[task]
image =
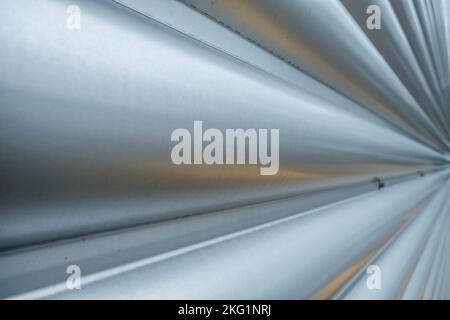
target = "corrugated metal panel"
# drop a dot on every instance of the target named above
(87, 178)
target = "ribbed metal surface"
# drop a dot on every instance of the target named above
(87, 179)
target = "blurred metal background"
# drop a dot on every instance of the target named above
(86, 176)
